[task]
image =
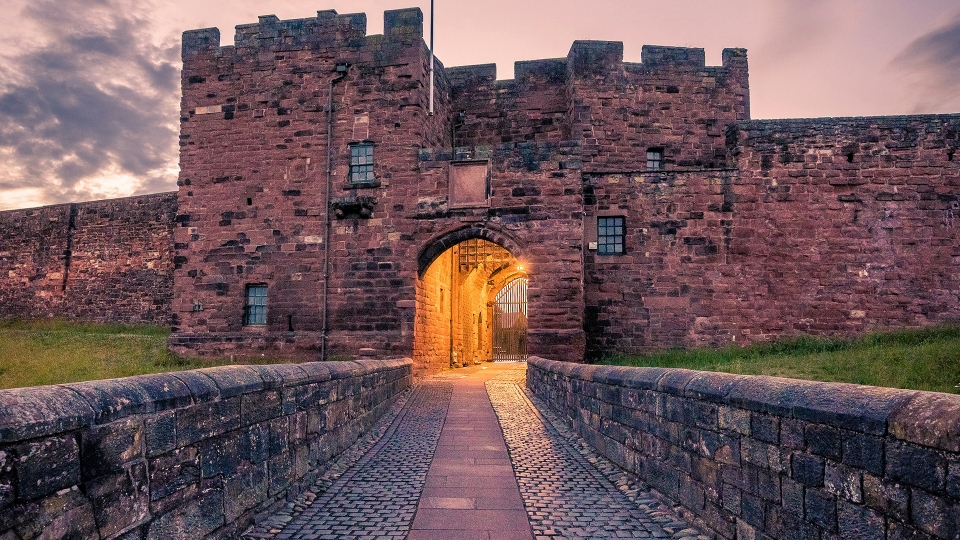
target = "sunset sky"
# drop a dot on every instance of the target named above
(89, 89)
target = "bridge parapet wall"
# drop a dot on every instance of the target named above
(771, 458)
(193, 454)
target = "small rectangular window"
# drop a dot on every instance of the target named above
(655, 159)
(255, 309)
(611, 232)
(361, 163)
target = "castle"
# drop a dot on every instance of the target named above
(328, 202)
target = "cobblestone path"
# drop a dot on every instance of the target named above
(570, 491)
(448, 464)
(378, 496)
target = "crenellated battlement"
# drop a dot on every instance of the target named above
(327, 29)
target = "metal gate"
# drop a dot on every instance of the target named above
(510, 323)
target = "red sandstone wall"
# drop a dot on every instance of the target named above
(671, 100)
(797, 240)
(253, 196)
(107, 261)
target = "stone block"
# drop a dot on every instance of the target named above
(821, 509)
(234, 380)
(66, 512)
(260, 406)
(752, 510)
(734, 419)
(712, 387)
(847, 406)
(929, 419)
(109, 447)
(280, 469)
(196, 518)
(317, 372)
(844, 482)
(223, 455)
(915, 466)
(205, 420)
(202, 387)
(281, 375)
(765, 427)
(46, 465)
(279, 436)
(823, 441)
(899, 531)
(807, 469)
(245, 490)
(935, 515)
(860, 523)
(8, 492)
(160, 433)
(113, 399)
(120, 500)
(887, 497)
(863, 451)
(165, 391)
(28, 413)
(791, 434)
(259, 442)
(173, 471)
(732, 497)
(792, 497)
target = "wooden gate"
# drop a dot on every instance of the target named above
(510, 323)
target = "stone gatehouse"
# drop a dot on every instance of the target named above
(586, 206)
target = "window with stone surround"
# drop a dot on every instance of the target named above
(611, 232)
(361, 163)
(655, 159)
(255, 307)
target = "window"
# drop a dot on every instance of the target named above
(655, 159)
(361, 163)
(610, 235)
(255, 310)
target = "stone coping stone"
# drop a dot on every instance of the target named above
(28, 413)
(926, 418)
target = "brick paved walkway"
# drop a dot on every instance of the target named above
(442, 469)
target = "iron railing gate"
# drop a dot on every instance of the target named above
(510, 323)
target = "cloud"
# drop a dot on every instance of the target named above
(88, 108)
(932, 62)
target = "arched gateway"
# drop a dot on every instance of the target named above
(471, 306)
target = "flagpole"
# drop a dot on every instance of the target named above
(431, 58)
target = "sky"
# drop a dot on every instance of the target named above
(89, 89)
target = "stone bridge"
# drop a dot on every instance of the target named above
(499, 451)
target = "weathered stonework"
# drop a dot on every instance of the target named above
(735, 231)
(768, 458)
(194, 454)
(106, 261)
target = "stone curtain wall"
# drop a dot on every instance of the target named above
(104, 261)
(185, 455)
(767, 458)
(821, 226)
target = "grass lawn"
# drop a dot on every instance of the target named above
(53, 352)
(921, 359)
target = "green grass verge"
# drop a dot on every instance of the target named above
(917, 359)
(37, 353)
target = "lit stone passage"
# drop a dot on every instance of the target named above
(569, 491)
